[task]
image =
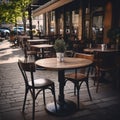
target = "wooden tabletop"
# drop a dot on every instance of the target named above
(91, 50)
(42, 46)
(68, 63)
(38, 40)
(24, 36)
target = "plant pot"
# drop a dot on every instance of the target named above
(60, 57)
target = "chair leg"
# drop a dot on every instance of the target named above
(75, 89)
(25, 97)
(97, 87)
(33, 111)
(78, 96)
(44, 97)
(95, 76)
(88, 90)
(54, 96)
(98, 76)
(95, 79)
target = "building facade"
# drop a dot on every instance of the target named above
(87, 20)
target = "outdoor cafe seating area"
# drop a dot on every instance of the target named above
(103, 62)
(105, 58)
(60, 60)
(100, 67)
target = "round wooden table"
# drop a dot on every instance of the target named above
(36, 41)
(42, 46)
(64, 107)
(91, 50)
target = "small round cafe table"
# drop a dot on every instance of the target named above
(42, 46)
(38, 41)
(91, 50)
(64, 106)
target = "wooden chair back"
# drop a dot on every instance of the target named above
(27, 67)
(83, 55)
(105, 60)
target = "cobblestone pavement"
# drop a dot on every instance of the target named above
(105, 104)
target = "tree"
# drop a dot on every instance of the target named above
(23, 7)
(9, 12)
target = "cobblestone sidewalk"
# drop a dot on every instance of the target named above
(105, 104)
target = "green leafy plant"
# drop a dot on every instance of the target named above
(113, 34)
(60, 45)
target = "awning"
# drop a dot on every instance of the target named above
(50, 6)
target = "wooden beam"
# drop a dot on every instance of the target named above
(49, 7)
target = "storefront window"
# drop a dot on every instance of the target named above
(61, 25)
(75, 23)
(67, 22)
(97, 25)
(52, 22)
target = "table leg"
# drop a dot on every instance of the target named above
(42, 52)
(64, 107)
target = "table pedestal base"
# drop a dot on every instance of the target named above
(68, 108)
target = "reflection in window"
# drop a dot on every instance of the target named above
(97, 28)
(52, 23)
(75, 22)
(97, 25)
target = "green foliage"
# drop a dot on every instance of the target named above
(113, 34)
(10, 11)
(60, 45)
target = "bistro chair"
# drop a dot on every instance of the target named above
(79, 76)
(118, 70)
(14, 40)
(69, 53)
(29, 52)
(104, 62)
(34, 86)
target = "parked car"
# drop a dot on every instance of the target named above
(18, 30)
(4, 32)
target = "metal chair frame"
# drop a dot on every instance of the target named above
(35, 86)
(77, 78)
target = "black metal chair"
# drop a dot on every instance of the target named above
(104, 62)
(35, 86)
(80, 76)
(69, 53)
(28, 51)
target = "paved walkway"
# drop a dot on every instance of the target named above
(105, 104)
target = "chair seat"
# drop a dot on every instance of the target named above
(79, 76)
(45, 52)
(41, 83)
(106, 69)
(75, 77)
(31, 52)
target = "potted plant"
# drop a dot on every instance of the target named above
(114, 35)
(60, 48)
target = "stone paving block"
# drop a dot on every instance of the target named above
(12, 115)
(106, 104)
